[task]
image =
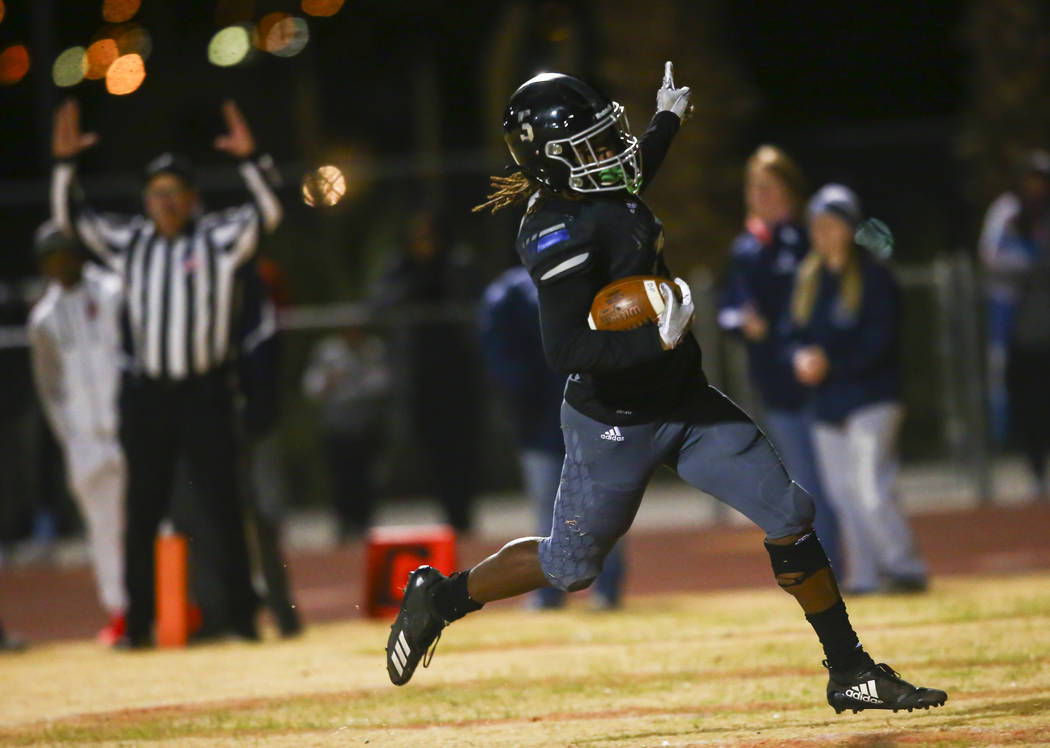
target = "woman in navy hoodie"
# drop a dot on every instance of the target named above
(845, 309)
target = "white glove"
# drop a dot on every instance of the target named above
(677, 316)
(671, 99)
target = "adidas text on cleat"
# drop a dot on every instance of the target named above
(878, 687)
(417, 627)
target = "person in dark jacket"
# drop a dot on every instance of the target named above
(437, 354)
(845, 308)
(763, 262)
(513, 353)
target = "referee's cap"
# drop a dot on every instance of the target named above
(50, 238)
(172, 163)
(837, 199)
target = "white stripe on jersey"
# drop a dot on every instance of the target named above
(201, 289)
(177, 364)
(153, 359)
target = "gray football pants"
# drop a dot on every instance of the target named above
(711, 444)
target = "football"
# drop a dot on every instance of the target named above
(629, 302)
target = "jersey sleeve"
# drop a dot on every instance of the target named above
(656, 142)
(561, 251)
(106, 235)
(47, 375)
(236, 231)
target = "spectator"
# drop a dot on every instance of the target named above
(513, 352)
(845, 308)
(763, 262)
(74, 343)
(348, 377)
(1023, 257)
(430, 283)
(179, 269)
(1004, 265)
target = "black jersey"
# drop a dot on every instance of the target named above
(573, 247)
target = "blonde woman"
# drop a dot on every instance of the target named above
(845, 309)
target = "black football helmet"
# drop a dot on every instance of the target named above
(566, 135)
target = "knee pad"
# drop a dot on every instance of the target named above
(795, 563)
(576, 585)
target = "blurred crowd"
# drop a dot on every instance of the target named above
(155, 353)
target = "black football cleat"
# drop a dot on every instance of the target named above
(417, 627)
(878, 687)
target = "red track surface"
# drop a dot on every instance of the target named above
(43, 602)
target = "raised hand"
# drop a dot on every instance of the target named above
(671, 99)
(238, 140)
(67, 141)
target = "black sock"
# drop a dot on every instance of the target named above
(451, 599)
(840, 642)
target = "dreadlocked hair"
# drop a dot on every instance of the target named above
(507, 191)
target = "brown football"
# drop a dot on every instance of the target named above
(629, 302)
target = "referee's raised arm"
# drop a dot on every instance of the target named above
(106, 235)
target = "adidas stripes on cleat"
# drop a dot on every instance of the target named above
(878, 687)
(417, 627)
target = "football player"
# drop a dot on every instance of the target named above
(634, 399)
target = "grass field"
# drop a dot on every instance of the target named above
(737, 668)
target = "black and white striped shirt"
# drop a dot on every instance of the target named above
(179, 291)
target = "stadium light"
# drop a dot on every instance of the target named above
(321, 8)
(119, 11)
(324, 187)
(100, 55)
(14, 64)
(125, 75)
(290, 36)
(229, 46)
(133, 38)
(69, 67)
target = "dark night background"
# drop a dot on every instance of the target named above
(873, 94)
(923, 108)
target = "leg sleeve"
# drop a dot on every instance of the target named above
(792, 435)
(723, 453)
(603, 478)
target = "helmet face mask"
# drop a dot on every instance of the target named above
(567, 136)
(603, 158)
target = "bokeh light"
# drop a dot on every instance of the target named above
(125, 75)
(269, 37)
(69, 67)
(118, 11)
(1, 10)
(289, 35)
(133, 38)
(324, 187)
(100, 55)
(14, 64)
(322, 7)
(229, 46)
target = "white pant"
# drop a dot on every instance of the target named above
(97, 479)
(858, 464)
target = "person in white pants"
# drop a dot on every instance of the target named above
(74, 339)
(845, 310)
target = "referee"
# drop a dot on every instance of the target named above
(179, 268)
